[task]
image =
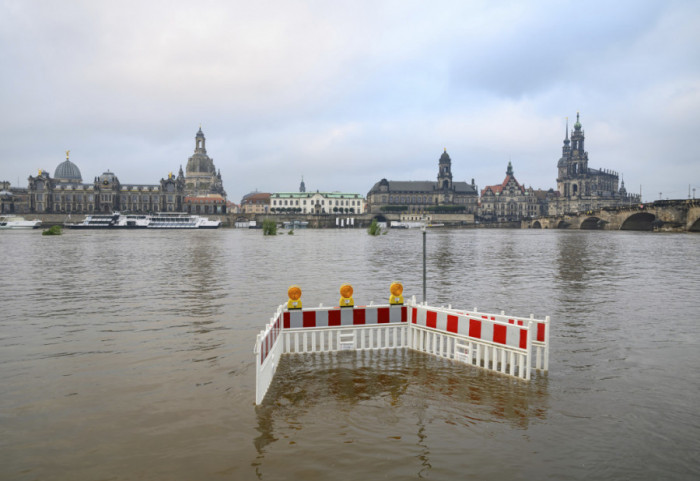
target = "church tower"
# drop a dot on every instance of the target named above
(572, 168)
(444, 178)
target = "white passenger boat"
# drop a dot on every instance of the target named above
(17, 222)
(180, 220)
(133, 221)
(96, 221)
(162, 220)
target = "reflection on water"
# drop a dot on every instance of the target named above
(354, 395)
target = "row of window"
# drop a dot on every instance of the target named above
(413, 199)
(58, 198)
(331, 202)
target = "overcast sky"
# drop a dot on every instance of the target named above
(346, 93)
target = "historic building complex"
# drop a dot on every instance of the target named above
(425, 197)
(199, 190)
(581, 188)
(317, 203)
(509, 201)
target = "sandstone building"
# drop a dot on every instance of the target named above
(443, 196)
(508, 201)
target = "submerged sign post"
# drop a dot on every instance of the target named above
(496, 342)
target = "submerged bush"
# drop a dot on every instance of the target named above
(374, 228)
(269, 227)
(53, 230)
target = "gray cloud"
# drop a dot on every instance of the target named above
(348, 93)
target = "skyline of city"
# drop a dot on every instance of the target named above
(332, 93)
(509, 171)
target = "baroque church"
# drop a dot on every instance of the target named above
(423, 197)
(202, 178)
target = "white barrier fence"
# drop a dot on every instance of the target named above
(504, 344)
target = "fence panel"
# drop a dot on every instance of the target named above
(500, 343)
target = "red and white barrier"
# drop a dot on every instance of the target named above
(496, 342)
(344, 316)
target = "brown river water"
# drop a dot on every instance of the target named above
(128, 355)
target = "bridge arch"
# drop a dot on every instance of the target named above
(639, 221)
(695, 226)
(379, 218)
(562, 224)
(536, 225)
(593, 223)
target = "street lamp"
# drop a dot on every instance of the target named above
(423, 229)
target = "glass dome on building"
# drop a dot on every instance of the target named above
(67, 171)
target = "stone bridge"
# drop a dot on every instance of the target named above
(662, 215)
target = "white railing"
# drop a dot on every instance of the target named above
(331, 339)
(501, 327)
(268, 350)
(496, 342)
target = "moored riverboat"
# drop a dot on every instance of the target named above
(181, 220)
(17, 222)
(134, 221)
(96, 221)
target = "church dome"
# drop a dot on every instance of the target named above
(67, 170)
(445, 158)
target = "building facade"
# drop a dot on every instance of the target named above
(13, 200)
(508, 201)
(200, 191)
(580, 187)
(66, 193)
(255, 203)
(318, 203)
(407, 198)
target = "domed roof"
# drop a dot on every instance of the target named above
(445, 158)
(67, 170)
(107, 178)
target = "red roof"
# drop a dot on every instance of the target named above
(497, 189)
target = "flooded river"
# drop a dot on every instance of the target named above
(128, 355)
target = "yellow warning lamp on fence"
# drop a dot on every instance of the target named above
(346, 299)
(396, 297)
(294, 293)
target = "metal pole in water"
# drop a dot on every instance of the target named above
(423, 229)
